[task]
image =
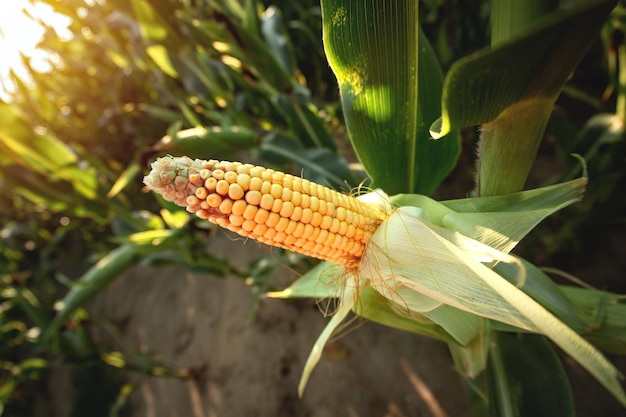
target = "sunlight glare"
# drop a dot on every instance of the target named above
(19, 34)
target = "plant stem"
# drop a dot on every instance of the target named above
(501, 384)
(508, 145)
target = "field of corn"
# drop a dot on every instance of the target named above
(336, 208)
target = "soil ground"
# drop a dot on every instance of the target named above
(248, 367)
(251, 367)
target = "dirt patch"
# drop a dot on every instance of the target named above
(245, 367)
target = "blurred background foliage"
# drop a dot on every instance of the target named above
(215, 78)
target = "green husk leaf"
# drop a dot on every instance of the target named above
(471, 359)
(502, 221)
(372, 306)
(322, 281)
(497, 221)
(407, 252)
(316, 353)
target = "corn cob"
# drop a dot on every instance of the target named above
(269, 206)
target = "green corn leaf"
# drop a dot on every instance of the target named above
(303, 120)
(601, 130)
(245, 41)
(157, 21)
(125, 178)
(209, 78)
(509, 18)
(471, 359)
(56, 195)
(502, 221)
(31, 306)
(33, 368)
(463, 327)
(148, 237)
(48, 155)
(390, 86)
(161, 58)
(161, 113)
(348, 300)
(44, 156)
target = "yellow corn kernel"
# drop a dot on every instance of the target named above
(272, 207)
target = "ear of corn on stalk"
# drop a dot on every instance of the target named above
(409, 255)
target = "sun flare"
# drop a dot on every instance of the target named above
(20, 34)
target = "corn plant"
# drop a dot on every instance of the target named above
(227, 76)
(398, 257)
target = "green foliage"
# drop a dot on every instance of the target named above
(213, 79)
(510, 89)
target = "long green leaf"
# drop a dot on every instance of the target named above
(502, 221)
(511, 89)
(380, 59)
(322, 281)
